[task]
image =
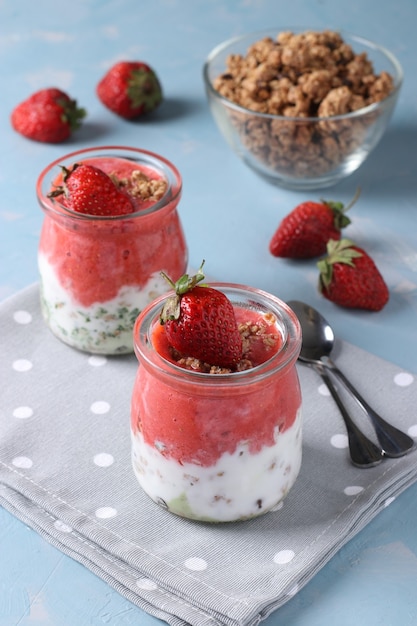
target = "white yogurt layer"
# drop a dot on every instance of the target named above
(103, 327)
(239, 486)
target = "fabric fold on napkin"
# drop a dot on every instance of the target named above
(65, 471)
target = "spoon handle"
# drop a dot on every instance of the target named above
(394, 442)
(363, 452)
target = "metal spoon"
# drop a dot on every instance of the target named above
(318, 342)
(363, 452)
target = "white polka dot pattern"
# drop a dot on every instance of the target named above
(353, 490)
(283, 557)
(23, 412)
(98, 510)
(323, 390)
(96, 360)
(412, 431)
(403, 379)
(106, 512)
(100, 407)
(339, 441)
(196, 564)
(103, 459)
(146, 584)
(23, 462)
(22, 317)
(22, 365)
(63, 528)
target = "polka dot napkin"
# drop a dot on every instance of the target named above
(65, 471)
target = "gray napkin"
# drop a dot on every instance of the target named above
(65, 471)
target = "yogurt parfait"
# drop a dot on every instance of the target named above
(218, 443)
(110, 226)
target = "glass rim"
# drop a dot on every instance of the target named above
(286, 318)
(56, 208)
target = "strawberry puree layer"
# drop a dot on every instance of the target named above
(191, 425)
(93, 259)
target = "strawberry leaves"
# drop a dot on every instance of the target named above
(48, 115)
(200, 322)
(304, 232)
(337, 252)
(350, 278)
(130, 89)
(172, 307)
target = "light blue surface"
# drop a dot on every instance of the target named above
(229, 215)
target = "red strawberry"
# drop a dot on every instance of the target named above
(305, 231)
(49, 115)
(200, 322)
(130, 89)
(350, 278)
(87, 189)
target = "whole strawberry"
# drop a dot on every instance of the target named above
(350, 278)
(130, 89)
(304, 232)
(200, 322)
(87, 189)
(49, 115)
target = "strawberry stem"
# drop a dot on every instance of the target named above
(186, 282)
(341, 220)
(341, 251)
(62, 189)
(354, 199)
(71, 113)
(171, 309)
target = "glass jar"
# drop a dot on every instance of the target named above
(218, 447)
(98, 273)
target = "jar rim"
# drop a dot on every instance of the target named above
(288, 352)
(167, 168)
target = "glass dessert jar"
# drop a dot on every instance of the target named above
(219, 447)
(98, 272)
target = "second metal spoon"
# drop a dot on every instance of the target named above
(363, 452)
(318, 342)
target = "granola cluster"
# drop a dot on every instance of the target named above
(304, 75)
(141, 186)
(250, 333)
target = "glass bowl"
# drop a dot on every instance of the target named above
(299, 151)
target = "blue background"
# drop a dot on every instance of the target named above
(229, 215)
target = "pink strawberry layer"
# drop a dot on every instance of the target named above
(188, 425)
(94, 258)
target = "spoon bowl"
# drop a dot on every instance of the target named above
(317, 345)
(318, 335)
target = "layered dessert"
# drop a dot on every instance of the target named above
(99, 271)
(212, 443)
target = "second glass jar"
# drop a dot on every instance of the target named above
(98, 273)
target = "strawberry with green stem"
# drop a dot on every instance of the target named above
(130, 89)
(200, 322)
(48, 116)
(88, 190)
(305, 231)
(350, 278)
